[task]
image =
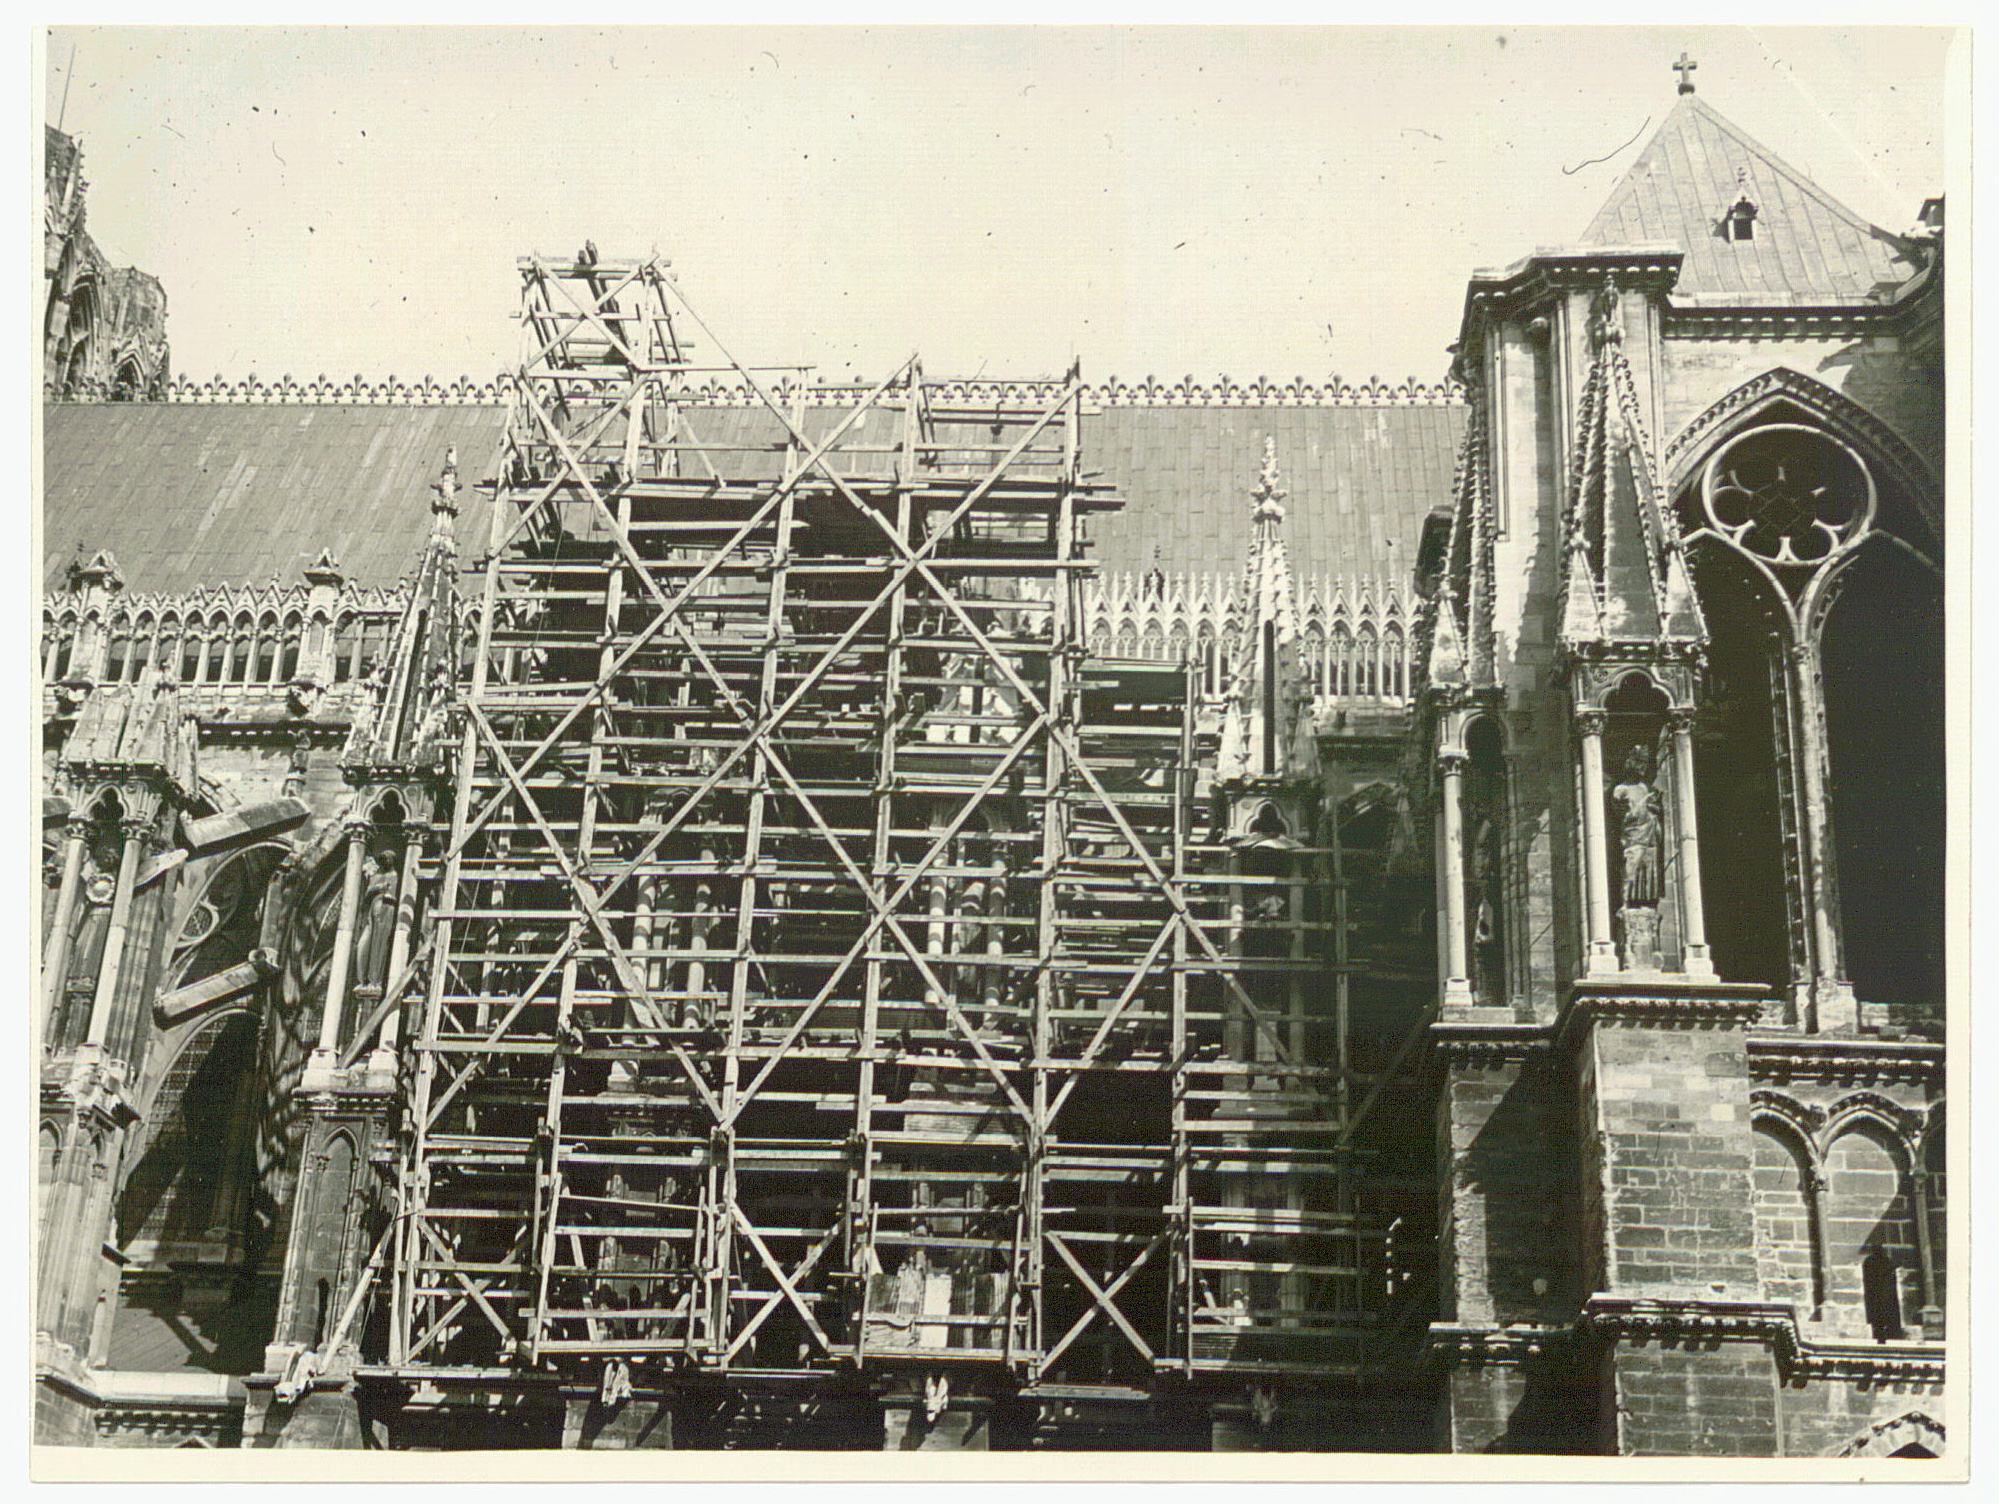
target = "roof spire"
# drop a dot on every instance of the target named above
(1269, 699)
(444, 490)
(1268, 495)
(1685, 68)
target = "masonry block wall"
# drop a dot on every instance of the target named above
(1672, 1113)
(1876, 371)
(1695, 1398)
(1505, 1128)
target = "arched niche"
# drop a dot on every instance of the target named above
(1486, 836)
(69, 1017)
(1871, 1254)
(1788, 1261)
(1638, 772)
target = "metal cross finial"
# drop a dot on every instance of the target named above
(1685, 67)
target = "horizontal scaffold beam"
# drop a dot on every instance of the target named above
(815, 971)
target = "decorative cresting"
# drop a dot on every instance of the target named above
(1267, 721)
(469, 391)
(1355, 631)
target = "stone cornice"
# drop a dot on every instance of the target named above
(142, 1402)
(1493, 1346)
(1536, 278)
(1810, 1057)
(1768, 1322)
(1661, 1001)
(1770, 315)
(1467, 1044)
(1840, 321)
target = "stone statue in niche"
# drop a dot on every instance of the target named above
(376, 919)
(1487, 938)
(1639, 810)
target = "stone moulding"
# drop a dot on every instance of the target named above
(1493, 1347)
(1781, 1058)
(1835, 408)
(1768, 1322)
(1663, 1002)
(1886, 1437)
(983, 395)
(1488, 1046)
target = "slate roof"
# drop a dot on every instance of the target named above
(1807, 248)
(193, 495)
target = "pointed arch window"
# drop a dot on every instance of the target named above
(346, 646)
(194, 652)
(141, 656)
(266, 670)
(1818, 562)
(118, 652)
(240, 642)
(1342, 656)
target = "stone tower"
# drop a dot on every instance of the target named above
(1689, 1125)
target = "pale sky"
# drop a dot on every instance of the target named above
(1167, 202)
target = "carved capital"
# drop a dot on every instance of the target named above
(1680, 719)
(1452, 764)
(1591, 722)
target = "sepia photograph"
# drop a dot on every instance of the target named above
(999, 739)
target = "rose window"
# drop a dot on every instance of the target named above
(1787, 494)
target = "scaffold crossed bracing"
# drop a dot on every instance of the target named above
(825, 963)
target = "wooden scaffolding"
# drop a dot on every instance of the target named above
(829, 967)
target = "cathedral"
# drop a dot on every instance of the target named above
(654, 902)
